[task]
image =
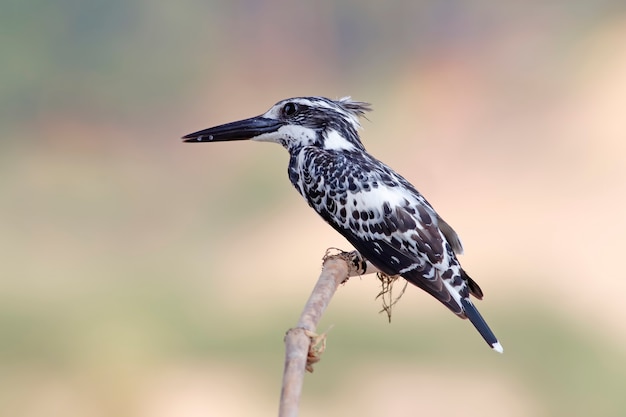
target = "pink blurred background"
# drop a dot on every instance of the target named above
(145, 277)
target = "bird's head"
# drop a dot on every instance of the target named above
(295, 123)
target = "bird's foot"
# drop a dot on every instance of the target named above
(357, 264)
(348, 257)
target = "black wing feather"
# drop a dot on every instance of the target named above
(385, 218)
(383, 254)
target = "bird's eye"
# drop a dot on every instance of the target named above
(290, 109)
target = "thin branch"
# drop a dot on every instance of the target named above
(301, 341)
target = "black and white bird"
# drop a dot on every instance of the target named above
(378, 211)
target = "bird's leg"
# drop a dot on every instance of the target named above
(357, 263)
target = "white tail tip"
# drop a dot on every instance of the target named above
(497, 347)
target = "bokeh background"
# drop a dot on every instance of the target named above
(144, 277)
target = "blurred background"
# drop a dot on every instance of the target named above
(144, 277)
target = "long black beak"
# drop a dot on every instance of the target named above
(240, 130)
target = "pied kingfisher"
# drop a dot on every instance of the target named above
(378, 211)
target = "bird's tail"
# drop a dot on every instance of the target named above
(477, 320)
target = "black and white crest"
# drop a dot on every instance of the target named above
(378, 211)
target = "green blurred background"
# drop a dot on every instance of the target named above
(145, 277)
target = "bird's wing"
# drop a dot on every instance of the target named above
(403, 237)
(398, 237)
(451, 236)
(387, 220)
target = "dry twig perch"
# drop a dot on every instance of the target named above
(302, 345)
